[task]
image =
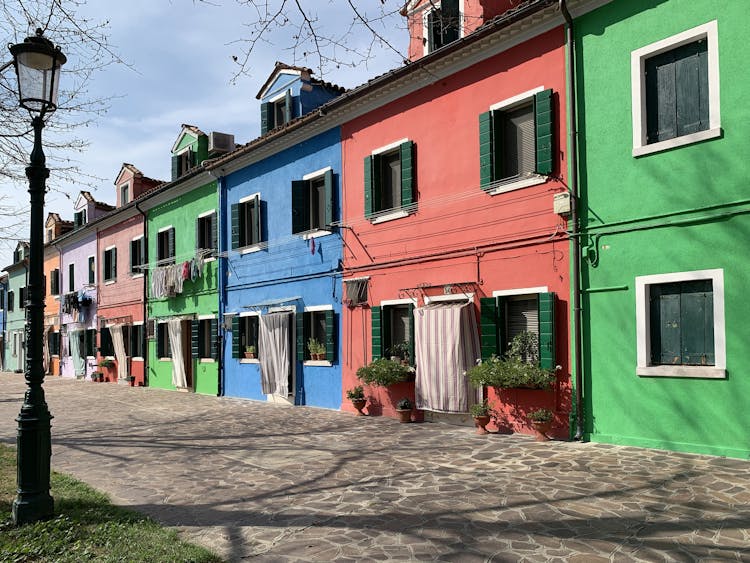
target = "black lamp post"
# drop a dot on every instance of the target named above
(37, 64)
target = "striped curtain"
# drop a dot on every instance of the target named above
(447, 344)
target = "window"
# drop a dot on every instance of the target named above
(50, 235)
(312, 202)
(393, 331)
(165, 250)
(277, 112)
(92, 269)
(53, 341)
(54, 282)
(79, 218)
(110, 264)
(124, 194)
(163, 348)
(246, 227)
(22, 298)
(205, 232)
(136, 341)
(244, 334)
(182, 163)
(389, 179)
(680, 324)
(106, 346)
(137, 255)
(204, 338)
(442, 25)
(89, 342)
(320, 325)
(2, 300)
(509, 313)
(675, 90)
(11, 304)
(515, 141)
(71, 277)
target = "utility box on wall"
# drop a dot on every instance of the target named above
(561, 203)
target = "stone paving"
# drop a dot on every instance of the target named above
(276, 483)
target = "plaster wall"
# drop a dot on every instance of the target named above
(15, 321)
(51, 302)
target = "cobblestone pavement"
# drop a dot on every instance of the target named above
(275, 483)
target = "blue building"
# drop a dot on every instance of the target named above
(281, 291)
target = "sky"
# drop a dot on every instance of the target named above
(181, 69)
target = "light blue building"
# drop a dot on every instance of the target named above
(3, 306)
(281, 289)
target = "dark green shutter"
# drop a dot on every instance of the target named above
(202, 153)
(433, 30)
(488, 311)
(198, 233)
(191, 158)
(407, 178)
(377, 340)
(235, 213)
(368, 186)
(697, 322)
(92, 269)
(257, 233)
(236, 336)
(328, 183)
(213, 228)
(547, 330)
(214, 343)
(133, 254)
(160, 340)
(544, 120)
(288, 108)
(144, 254)
(170, 238)
(195, 339)
(175, 169)
(412, 323)
(300, 213)
(691, 87)
(301, 336)
(266, 118)
(486, 158)
(451, 21)
(114, 263)
(330, 336)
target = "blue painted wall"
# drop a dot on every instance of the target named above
(303, 101)
(286, 266)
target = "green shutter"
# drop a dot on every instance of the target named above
(547, 330)
(330, 336)
(488, 311)
(235, 213)
(407, 178)
(175, 171)
(214, 232)
(377, 340)
(195, 339)
(202, 149)
(433, 30)
(544, 120)
(191, 158)
(133, 253)
(114, 263)
(170, 238)
(451, 21)
(214, 343)
(691, 84)
(256, 221)
(368, 186)
(236, 336)
(266, 118)
(144, 253)
(301, 336)
(328, 187)
(288, 108)
(486, 157)
(159, 339)
(197, 233)
(412, 323)
(300, 213)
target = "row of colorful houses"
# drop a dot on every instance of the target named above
(566, 168)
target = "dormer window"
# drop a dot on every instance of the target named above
(124, 194)
(276, 112)
(50, 235)
(182, 162)
(79, 218)
(442, 24)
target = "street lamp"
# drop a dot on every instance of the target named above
(37, 62)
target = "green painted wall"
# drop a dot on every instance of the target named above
(200, 297)
(698, 415)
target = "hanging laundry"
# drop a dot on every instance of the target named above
(312, 245)
(185, 273)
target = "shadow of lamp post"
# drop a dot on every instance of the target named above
(37, 63)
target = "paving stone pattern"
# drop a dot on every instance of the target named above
(275, 483)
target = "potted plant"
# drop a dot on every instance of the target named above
(131, 380)
(96, 376)
(316, 349)
(403, 408)
(482, 413)
(518, 369)
(357, 396)
(106, 363)
(250, 352)
(541, 421)
(383, 372)
(400, 352)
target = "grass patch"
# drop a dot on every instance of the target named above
(86, 527)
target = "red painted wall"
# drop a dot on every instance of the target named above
(460, 233)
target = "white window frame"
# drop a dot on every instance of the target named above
(141, 274)
(242, 314)
(251, 247)
(431, 6)
(307, 235)
(112, 280)
(379, 216)
(643, 328)
(708, 31)
(138, 323)
(126, 185)
(316, 309)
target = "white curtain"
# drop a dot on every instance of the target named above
(446, 345)
(179, 379)
(79, 364)
(274, 353)
(118, 343)
(46, 363)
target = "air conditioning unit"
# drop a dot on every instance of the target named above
(220, 142)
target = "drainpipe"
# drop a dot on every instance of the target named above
(575, 193)
(144, 342)
(221, 274)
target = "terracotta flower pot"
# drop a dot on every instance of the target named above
(359, 404)
(404, 415)
(541, 429)
(480, 422)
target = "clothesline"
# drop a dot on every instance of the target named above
(203, 252)
(167, 281)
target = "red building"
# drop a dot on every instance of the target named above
(450, 181)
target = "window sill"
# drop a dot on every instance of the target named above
(249, 249)
(321, 363)
(110, 282)
(392, 216)
(210, 259)
(702, 372)
(249, 361)
(165, 359)
(315, 234)
(515, 184)
(206, 360)
(137, 359)
(677, 142)
(135, 276)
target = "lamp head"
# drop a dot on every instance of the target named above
(37, 62)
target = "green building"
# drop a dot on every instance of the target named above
(183, 299)
(664, 136)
